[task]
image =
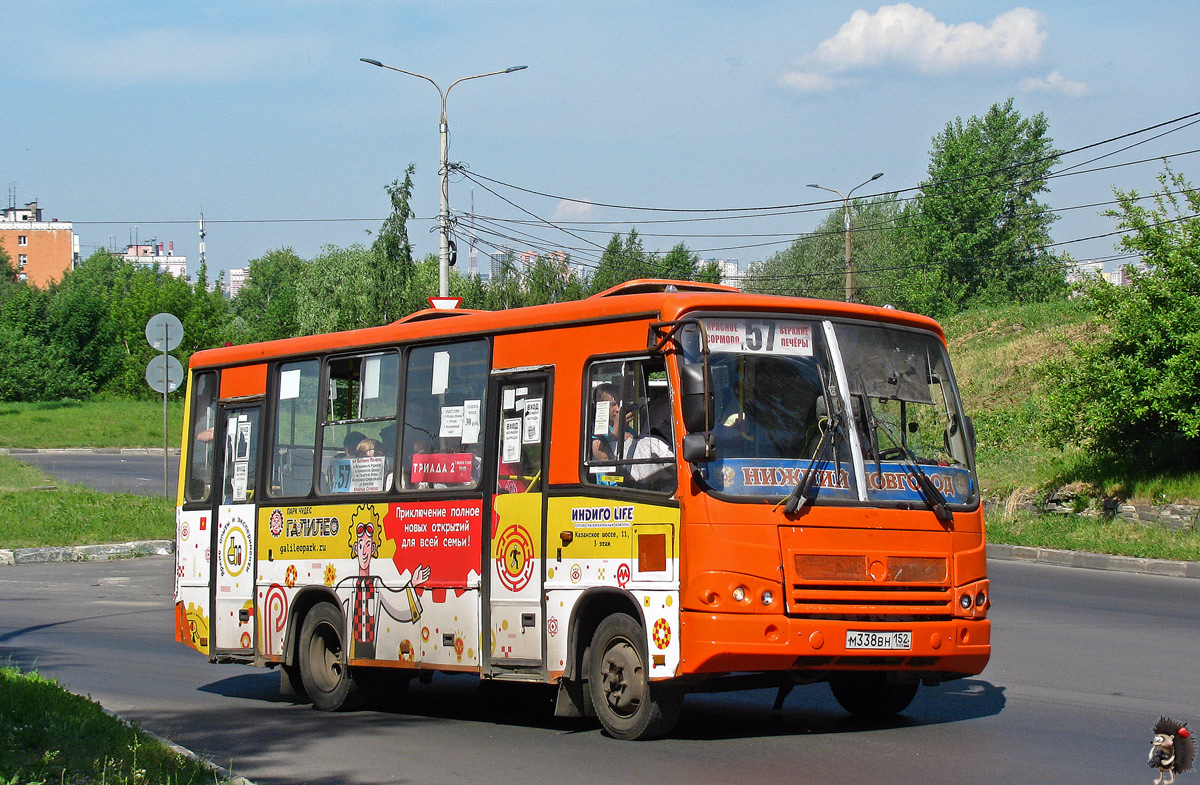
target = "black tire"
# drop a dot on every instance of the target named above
(630, 706)
(871, 696)
(327, 678)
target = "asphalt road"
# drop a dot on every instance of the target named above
(112, 472)
(1083, 664)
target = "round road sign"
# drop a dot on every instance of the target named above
(164, 377)
(164, 328)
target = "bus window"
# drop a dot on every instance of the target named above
(627, 428)
(441, 441)
(241, 451)
(295, 420)
(200, 448)
(358, 437)
(522, 418)
(906, 410)
(777, 410)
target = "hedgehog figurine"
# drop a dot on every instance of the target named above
(1173, 751)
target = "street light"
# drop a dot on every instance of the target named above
(846, 212)
(444, 214)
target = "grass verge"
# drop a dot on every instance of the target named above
(99, 422)
(74, 515)
(49, 735)
(1084, 533)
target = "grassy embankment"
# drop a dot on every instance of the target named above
(102, 422)
(1000, 356)
(48, 735)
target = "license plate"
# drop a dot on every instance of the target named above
(896, 640)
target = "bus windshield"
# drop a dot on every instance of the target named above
(783, 411)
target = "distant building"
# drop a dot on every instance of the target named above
(151, 253)
(1117, 277)
(41, 251)
(238, 277)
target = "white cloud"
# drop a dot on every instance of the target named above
(570, 210)
(170, 54)
(903, 33)
(807, 81)
(1054, 82)
(911, 37)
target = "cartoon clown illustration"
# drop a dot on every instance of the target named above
(368, 593)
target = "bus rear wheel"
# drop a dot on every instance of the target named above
(871, 696)
(327, 678)
(630, 706)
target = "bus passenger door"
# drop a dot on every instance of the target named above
(233, 627)
(514, 609)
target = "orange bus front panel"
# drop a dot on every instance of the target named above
(733, 643)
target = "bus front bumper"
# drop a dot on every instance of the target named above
(731, 643)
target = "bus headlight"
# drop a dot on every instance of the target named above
(739, 594)
(767, 598)
(965, 601)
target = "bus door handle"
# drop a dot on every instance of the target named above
(527, 620)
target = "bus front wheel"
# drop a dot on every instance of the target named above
(327, 678)
(628, 704)
(871, 696)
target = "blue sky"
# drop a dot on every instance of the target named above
(261, 115)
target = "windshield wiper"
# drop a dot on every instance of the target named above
(802, 494)
(929, 492)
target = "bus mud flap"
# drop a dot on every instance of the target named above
(573, 700)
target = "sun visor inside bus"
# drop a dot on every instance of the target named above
(896, 367)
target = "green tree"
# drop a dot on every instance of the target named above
(80, 316)
(550, 280)
(815, 264)
(678, 263)
(334, 291)
(1138, 383)
(265, 309)
(8, 273)
(622, 260)
(391, 286)
(978, 221)
(506, 288)
(709, 272)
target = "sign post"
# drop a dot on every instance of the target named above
(164, 374)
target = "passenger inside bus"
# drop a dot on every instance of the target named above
(635, 444)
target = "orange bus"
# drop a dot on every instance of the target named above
(666, 487)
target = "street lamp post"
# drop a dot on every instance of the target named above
(846, 213)
(444, 213)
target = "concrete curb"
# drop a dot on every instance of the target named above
(227, 776)
(77, 553)
(1094, 561)
(15, 451)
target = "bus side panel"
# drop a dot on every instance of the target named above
(634, 547)
(244, 381)
(567, 349)
(193, 542)
(412, 600)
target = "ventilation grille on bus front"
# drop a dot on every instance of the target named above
(871, 603)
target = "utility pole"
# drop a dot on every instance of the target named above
(846, 213)
(444, 130)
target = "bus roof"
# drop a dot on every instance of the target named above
(647, 298)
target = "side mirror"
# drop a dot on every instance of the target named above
(698, 448)
(696, 397)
